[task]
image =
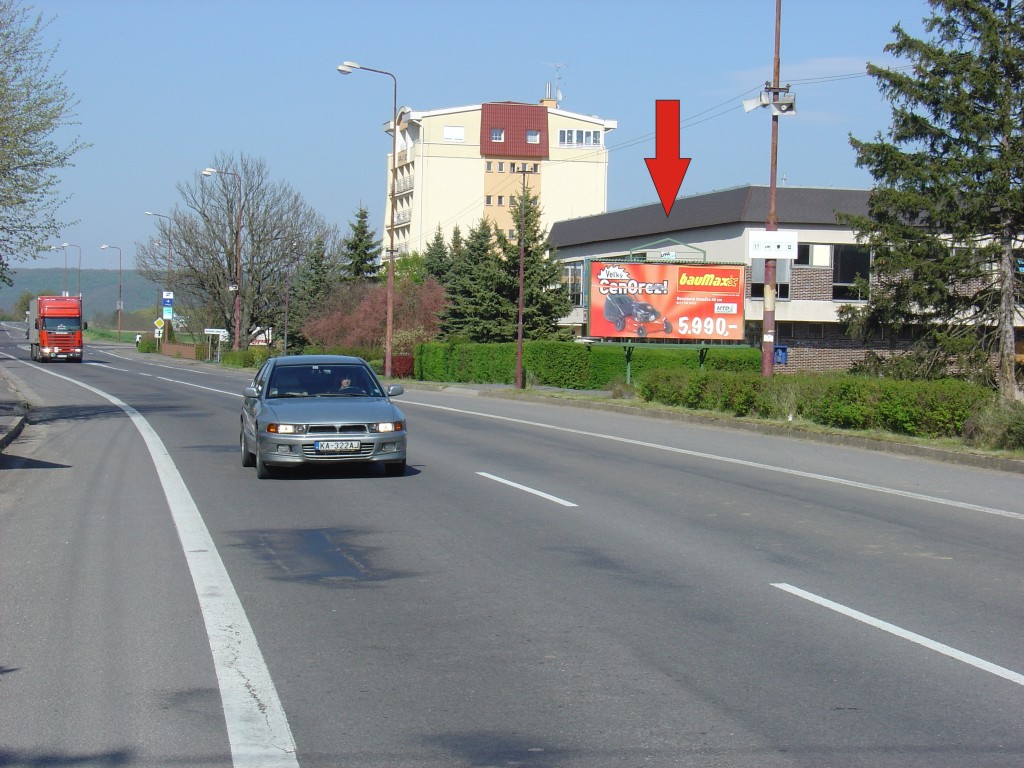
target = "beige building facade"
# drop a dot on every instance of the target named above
(458, 165)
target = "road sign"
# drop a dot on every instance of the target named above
(778, 244)
(159, 322)
(168, 296)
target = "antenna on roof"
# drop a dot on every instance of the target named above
(558, 81)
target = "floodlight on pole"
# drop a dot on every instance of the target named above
(346, 68)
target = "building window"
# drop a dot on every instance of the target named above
(498, 135)
(501, 167)
(536, 167)
(501, 199)
(782, 277)
(533, 136)
(487, 200)
(803, 254)
(488, 166)
(572, 279)
(571, 138)
(455, 133)
(848, 263)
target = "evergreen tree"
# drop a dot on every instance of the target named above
(947, 209)
(437, 259)
(478, 308)
(311, 291)
(545, 298)
(361, 250)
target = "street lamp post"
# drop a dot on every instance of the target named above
(346, 68)
(167, 279)
(120, 304)
(238, 254)
(62, 248)
(522, 272)
(72, 245)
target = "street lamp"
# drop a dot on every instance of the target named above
(120, 304)
(346, 68)
(72, 245)
(62, 248)
(238, 253)
(167, 280)
(522, 272)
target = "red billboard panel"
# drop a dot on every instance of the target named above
(686, 302)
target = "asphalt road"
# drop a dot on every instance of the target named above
(546, 586)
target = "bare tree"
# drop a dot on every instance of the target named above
(197, 251)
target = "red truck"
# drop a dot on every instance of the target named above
(55, 328)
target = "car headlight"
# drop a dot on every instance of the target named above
(286, 429)
(389, 426)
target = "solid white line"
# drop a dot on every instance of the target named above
(534, 491)
(741, 462)
(257, 726)
(892, 629)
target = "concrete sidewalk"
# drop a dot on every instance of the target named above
(12, 412)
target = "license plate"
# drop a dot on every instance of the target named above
(335, 446)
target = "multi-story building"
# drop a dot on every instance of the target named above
(458, 165)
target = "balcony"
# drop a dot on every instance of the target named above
(402, 217)
(405, 184)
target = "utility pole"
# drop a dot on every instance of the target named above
(772, 222)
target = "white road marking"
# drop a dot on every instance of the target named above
(966, 658)
(526, 488)
(257, 726)
(741, 462)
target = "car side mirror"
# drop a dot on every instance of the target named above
(250, 392)
(395, 389)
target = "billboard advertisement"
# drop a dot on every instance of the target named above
(684, 302)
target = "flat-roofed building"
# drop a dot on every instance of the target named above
(458, 165)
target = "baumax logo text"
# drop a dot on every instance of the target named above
(704, 280)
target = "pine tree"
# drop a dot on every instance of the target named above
(947, 209)
(545, 298)
(478, 308)
(361, 250)
(437, 259)
(311, 290)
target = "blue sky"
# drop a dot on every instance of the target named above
(163, 86)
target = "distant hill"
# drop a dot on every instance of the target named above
(99, 289)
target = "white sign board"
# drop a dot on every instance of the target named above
(780, 244)
(169, 295)
(221, 332)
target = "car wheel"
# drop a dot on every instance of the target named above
(620, 323)
(262, 470)
(248, 460)
(395, 469)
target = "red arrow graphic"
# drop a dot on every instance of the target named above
(667, 167)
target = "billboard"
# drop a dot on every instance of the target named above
(685, 302)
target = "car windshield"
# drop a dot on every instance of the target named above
(318, 380)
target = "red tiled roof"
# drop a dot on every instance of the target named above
(515, 119)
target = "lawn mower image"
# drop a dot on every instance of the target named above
(622, 310)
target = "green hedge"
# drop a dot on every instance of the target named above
(919, 408)
(567, 365)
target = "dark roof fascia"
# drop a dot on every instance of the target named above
(795, 206)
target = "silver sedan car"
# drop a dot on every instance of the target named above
(320, 409)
